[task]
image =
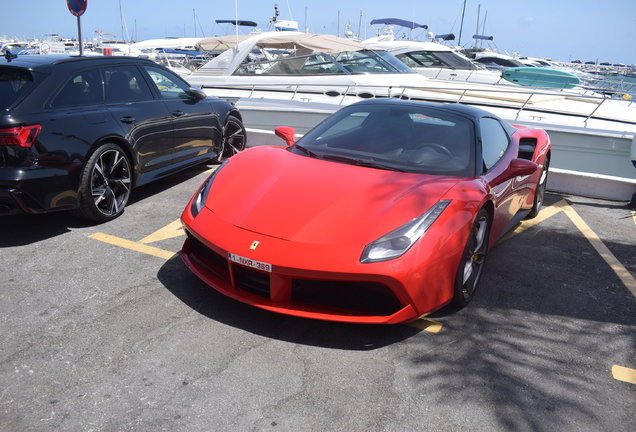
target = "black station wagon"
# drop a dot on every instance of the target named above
(78, 133)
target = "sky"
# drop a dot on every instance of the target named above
(586, 30)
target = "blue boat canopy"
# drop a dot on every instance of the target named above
(446, 37)
(237, 22)
(400, 22)
(482, 37)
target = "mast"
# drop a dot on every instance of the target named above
(461, 26)
(483, 29)
(236, 26)
(477, 31)
(289, 10)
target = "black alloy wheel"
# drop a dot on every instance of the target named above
(234, 138)
(105, 184)
(540, 193)
(473, 259)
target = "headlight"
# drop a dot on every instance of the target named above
(198, 202)
(398, 241)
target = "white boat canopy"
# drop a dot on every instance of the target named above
(287, 40)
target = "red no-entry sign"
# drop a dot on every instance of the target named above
(77, 7)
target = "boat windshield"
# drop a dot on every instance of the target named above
(407, 138)
(348, 62)
(433, 59)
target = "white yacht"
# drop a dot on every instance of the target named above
(437, 61)
(298, 79)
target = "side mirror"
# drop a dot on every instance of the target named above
(196, 93)
(288, 134)
(517, 167)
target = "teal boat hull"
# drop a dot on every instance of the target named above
(540, 77)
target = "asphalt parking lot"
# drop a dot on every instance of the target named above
(103, 328)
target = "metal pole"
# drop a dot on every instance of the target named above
(79, 36)
(461, 26)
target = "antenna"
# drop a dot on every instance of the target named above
(276, 13)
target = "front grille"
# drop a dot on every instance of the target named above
(251, 280)
(209, 259)
(370, 297)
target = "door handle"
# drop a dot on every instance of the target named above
(127, 119)
(177, 113)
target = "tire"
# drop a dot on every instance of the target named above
(105, 184)
(234, 139)
(540, 193)
(472, 262)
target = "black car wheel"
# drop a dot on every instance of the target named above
(105, 184)
(471, 265)
(234, 138)
(540, 193)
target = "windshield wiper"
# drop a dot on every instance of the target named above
(361, 162)
(306, 151)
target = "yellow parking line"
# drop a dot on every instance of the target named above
(621, 373)
(600, 247)
(160, 253)
(624, 275)
(426, 324)
(634, 217)
(545, 213)
(174, 229)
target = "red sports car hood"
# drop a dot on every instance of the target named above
(274, 192)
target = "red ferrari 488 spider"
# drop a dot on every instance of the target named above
(382, 213)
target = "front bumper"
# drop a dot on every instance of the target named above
(311, 280)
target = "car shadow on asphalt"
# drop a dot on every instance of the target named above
(184, 285)
(148, 190)
(539, 271)
(25, 229)
(552, 269)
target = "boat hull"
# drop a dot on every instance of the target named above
(540, 77)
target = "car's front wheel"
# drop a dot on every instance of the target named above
(105, 184)
(234, 138)
(471, 265)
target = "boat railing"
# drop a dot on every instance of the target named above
(464, 95)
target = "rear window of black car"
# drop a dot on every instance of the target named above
(13, 83)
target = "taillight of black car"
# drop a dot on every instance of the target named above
(23, 136)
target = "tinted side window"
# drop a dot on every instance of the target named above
(494, 141)
(125, 84)
(83, 88)
(169, 86)
(13, 82)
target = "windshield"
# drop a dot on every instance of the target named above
(348, 62)
(410, 138)
(13, 83)
(440, 59)
(499, 62)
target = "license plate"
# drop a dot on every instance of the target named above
(250, 263)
